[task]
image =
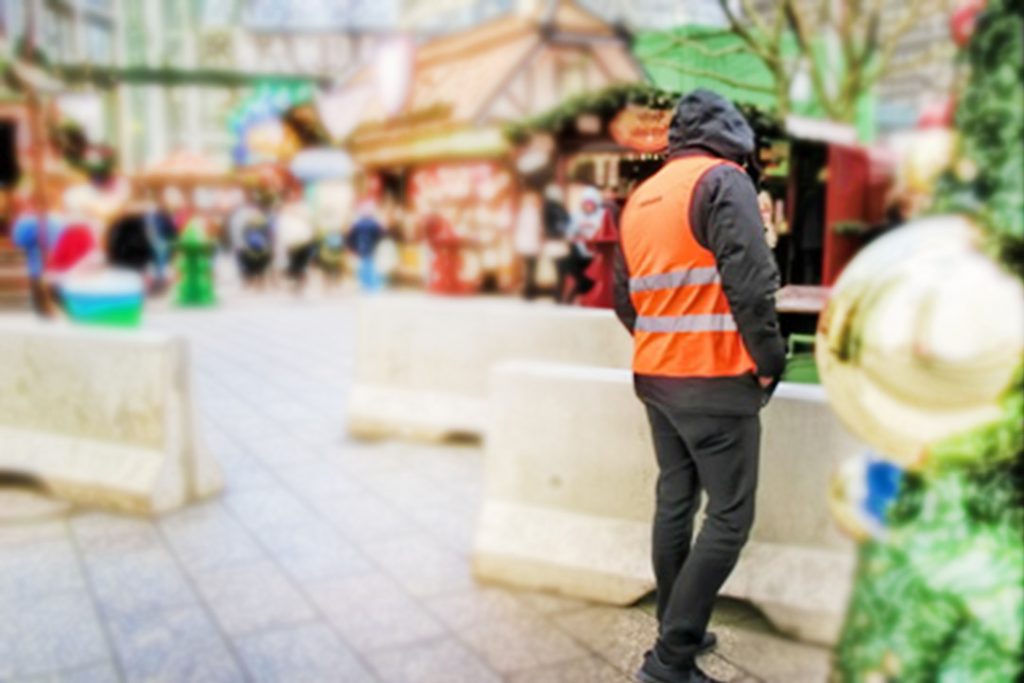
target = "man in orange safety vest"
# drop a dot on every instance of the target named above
(695, 285)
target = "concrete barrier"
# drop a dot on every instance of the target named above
(570, 495)
(422, 361)
(101, 417)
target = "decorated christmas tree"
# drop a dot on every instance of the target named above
(987, 181)
(939, 591)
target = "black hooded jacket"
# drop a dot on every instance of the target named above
(725, 219)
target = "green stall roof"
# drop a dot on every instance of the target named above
(690, 57)
(715, 58)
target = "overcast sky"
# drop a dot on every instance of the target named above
(382, 15)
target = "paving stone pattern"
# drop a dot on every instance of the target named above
(326, 559)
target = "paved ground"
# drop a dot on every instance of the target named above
(325, 560)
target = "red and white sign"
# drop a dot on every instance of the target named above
(641, 128)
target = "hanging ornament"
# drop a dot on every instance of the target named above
(860, 494)
(963, 19)
(937, 114)
(930, 152)
(920, 338)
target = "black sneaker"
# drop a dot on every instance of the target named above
(654, 670)
(708, 643)
(695, 675)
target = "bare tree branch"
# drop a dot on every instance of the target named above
(892, 40)
(703, 73)
(846, 29)
(871, 34)
(778, 34)
(714, 54)
(825, 15)
(765, 51)
(750, 12)
(795, 22)
(936, 52)
(930, 56)
(680, 41)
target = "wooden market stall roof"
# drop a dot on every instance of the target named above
(513, 67)
(186, 168)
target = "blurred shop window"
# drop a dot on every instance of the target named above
(216, 13)
(177, 124)
(173, 17)
(99, 42)
(135, 44)
(56, 33)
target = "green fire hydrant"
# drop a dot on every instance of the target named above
(195, 266)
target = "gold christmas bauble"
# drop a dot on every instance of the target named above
(927, 157)
(920, 338)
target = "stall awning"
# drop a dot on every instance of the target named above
(187, 168)
(431, 144)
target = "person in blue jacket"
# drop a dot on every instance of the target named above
(366, 233)
(25, 234)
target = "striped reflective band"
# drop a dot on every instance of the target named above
(677, 278)
(714, 322)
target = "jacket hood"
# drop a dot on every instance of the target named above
(706, 119)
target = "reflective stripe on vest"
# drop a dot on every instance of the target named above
(713, 322)
(678, 278)
(684, 325)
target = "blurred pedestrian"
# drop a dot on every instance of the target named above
(142, 239)
(583, 226)
(295, 234)
(603, 244)
(330, 255)
(766, 208)
(162, 237)
(363, 238)
(445, 262)
(30, 237)
(695, 285)
(555, 252)
(127, 245)
(251, 241)
(528, 240)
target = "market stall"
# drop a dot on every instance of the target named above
(188, 183)
(611, 138)
(438, 149)
(602, 143)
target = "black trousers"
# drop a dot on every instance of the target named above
(718, 454)
(530, 289)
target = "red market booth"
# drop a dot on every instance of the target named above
(439, 148)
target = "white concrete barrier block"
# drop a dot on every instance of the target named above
(102, 417)
(802, 446)
(570, 490)
(802, 590)
(570, 483)
(422, 361)
(798, 568)
(376, 410)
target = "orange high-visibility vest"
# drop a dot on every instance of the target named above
(684, 326)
